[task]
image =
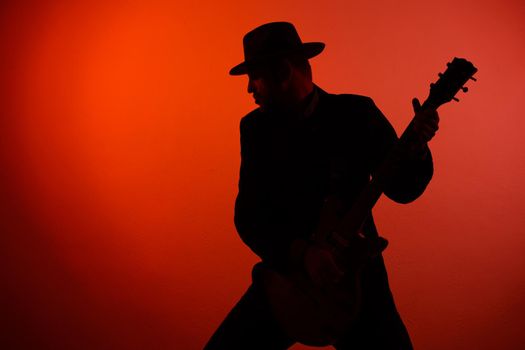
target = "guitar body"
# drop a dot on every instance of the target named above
(318, 314)
(311, 314)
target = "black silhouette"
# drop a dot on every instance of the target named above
(306, 156)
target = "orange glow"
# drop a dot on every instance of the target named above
(120, 151)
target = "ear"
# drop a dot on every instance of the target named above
(285, 72)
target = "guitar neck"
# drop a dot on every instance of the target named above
(353, 220)
(459, 71)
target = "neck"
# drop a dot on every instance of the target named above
(303, 90)
(295, 95)
(300, 96)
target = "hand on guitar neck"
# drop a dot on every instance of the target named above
(425, 124)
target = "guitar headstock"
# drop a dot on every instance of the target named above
(444, 90)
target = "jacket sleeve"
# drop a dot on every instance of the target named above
(414, 170)
(260, 226)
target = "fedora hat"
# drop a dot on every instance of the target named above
(271, 40)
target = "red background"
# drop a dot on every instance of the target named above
(119, 160)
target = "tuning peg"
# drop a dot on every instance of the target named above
(472, 78)
(455, 99)
(464, 89)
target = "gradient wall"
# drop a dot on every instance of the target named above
(119, 158)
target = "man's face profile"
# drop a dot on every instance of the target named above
(265, 87)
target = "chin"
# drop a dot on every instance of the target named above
(262, 106)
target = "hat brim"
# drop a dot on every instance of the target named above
(309, 50)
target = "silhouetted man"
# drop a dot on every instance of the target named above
(301, 145)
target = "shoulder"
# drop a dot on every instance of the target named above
(351, 110)
(250, 120)
(352, 101)
(252, 124)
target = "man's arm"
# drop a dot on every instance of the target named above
(414, 170)
(258, 223)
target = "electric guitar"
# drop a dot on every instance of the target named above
(318, 315)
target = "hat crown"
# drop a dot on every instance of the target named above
(271, 38)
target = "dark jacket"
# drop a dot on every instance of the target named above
(289, 165)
